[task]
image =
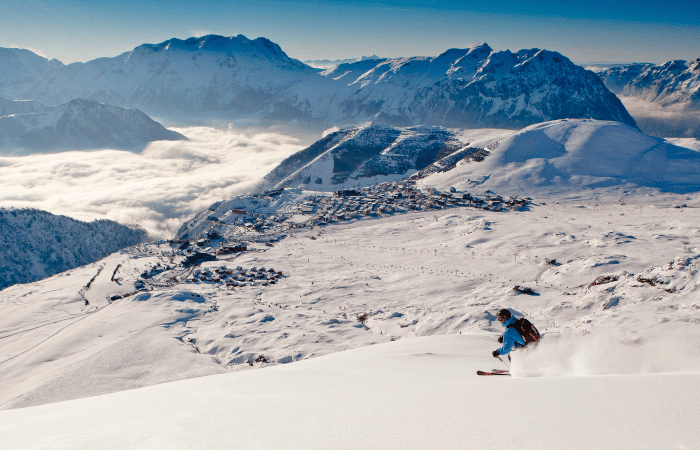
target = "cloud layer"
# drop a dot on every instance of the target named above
(656, 120)
(157, 189)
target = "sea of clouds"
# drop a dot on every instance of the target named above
(669, 121)
(156, 189)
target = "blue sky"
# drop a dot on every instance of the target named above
(585, 31)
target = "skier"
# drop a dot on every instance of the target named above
(511, 337)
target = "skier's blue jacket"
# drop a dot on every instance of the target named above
(511, 338)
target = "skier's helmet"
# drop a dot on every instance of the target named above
(503, 315)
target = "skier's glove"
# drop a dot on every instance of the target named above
(500, 339)
(495, 354)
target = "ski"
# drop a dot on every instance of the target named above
(500, 371)
(495, 372)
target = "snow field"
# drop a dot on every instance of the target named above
(414, 394)
(409, 275)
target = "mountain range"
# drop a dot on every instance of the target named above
(473, 87)
(670, 83)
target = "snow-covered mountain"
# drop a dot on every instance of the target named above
(563, 154)
(570, 155)
(363, 156)
(80, 124)
(473, 87)
(209, 73)
(23, 71)
(36, 244)
(574, 155)
(329, 63)
(667, 84)
(10, 107)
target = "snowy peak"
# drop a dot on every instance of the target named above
(670, 83)
(414, 70)
(22, 70)
(462, 88)
(208, 73)
(215, 44)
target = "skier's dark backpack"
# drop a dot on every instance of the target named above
(527, 330)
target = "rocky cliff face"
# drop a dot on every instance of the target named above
(473, 87)
(36, 244)
(80, 124)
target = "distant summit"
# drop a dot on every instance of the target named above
(208, 73)
(664, 98)
(328, 63)
(238, 45)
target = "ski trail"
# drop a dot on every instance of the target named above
(44, 340)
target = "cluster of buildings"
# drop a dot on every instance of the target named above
(397, 197)
(275, 212)
(237, 277)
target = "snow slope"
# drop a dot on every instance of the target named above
(416, 274)
(570, 155)
(413, 394)
(80, 124)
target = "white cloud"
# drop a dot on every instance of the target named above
(157, 189)
(666, 121)
(330, 130)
